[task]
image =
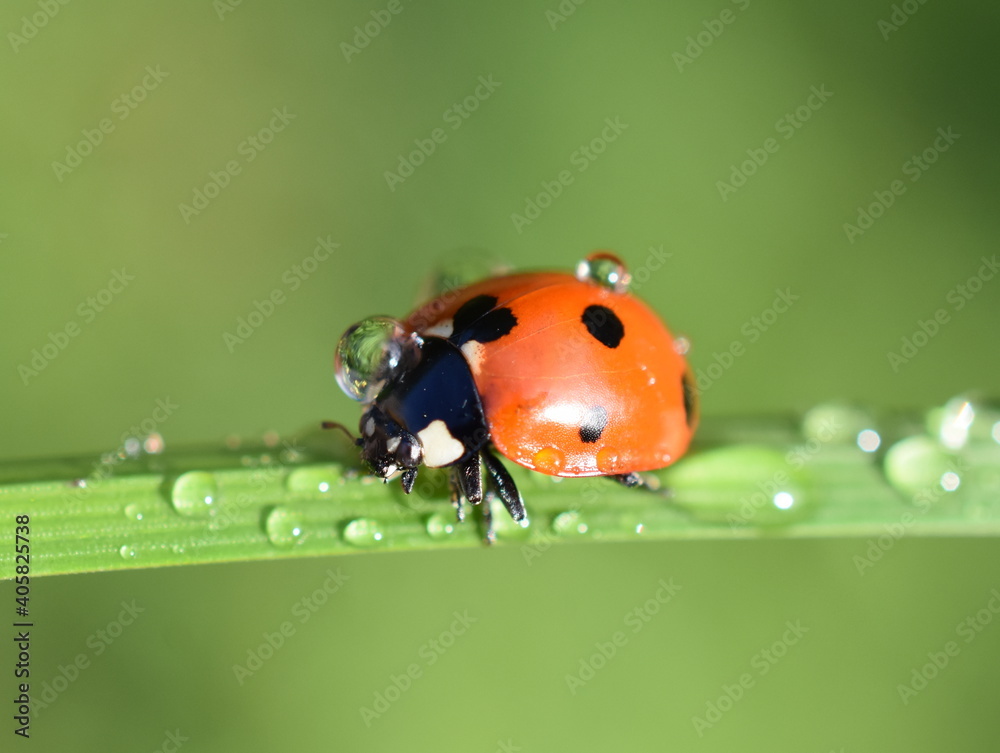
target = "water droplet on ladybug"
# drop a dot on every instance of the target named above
(605, 269)
(608, 461)
(549, 460)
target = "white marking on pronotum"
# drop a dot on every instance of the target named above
(369, 427)
(441, 329)
(393, 443)
(440, 447)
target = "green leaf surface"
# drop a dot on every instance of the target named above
(744, 479)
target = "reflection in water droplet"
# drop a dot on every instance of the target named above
(869, 440)
(783, 501)
(195, 494)
(363, 532)
(956, 420)
(569, 523)
(950, 481)
(127, 551)
(284, 527)
(315, 478)
(605, 269)
(133, 512)
(440, 526)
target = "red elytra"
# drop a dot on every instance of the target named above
(588, 381)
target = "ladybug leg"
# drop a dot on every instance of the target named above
(633, 480)
(628, 479)
(467, 486)
(505, 487)
(470, 480)
(409, 479)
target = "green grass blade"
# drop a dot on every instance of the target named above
(744, 479)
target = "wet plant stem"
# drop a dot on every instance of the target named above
(744, 479)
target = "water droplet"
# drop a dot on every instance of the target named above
(918, 464)
(128, 551)
(284, 527)
(271, 438)
(195, 494)
(440, 526)
(965, 420)
(372, 352)
(607, 461)
(740, 485)
(363, 532)
(505, 527)
(569, 523)
(605, 269)
(682, 345)
(233, 441)
(134, 512)
(838, 423)
(132, 447)
(314, 478)
(549, 460)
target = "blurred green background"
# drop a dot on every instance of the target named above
(182, 89)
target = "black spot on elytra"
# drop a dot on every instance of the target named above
(603, 325)
(593, 424)
(479, 320)
(690, 398)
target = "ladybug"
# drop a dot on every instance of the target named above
(565, 374)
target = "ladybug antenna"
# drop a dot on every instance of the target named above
(336, 425)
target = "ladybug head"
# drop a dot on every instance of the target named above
(386, 446)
